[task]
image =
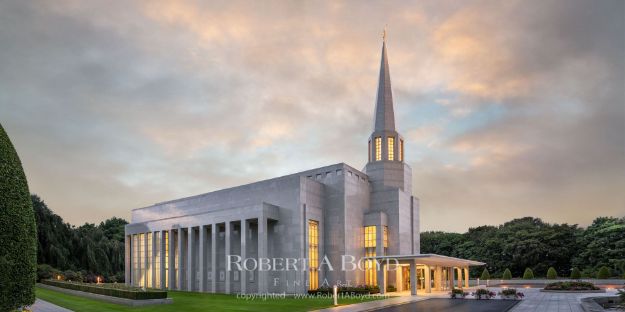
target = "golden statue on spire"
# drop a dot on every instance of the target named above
(384, 34)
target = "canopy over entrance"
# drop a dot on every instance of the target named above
(423, 272)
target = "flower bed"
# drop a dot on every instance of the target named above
(356, 290)
(511, 293)
(571, 286)
(483, 293)
(113, 290)
(458, 293)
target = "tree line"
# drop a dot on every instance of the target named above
(531, 243)
(82, 252)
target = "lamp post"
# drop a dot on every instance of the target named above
(335, 291)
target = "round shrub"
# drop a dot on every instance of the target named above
(575, 273)
(551, 273)
(604, 273)
(528, 274)
(485, 274)
(18, 234)
(507, 275)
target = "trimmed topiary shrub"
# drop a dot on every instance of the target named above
(485, 274)
(604, 273)
(528, 274)
(575, 273)
(551, 273)
(507, 275)
(18, 234)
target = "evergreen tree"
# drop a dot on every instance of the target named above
(485, 274)
(528, 274)
(18, 236)
(551, 273)
(604, 273)
(575, 273)
(507, 275)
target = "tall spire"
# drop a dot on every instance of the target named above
(384, 115)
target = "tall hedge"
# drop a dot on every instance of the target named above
(18, 232)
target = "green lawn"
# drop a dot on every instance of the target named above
(188, 302)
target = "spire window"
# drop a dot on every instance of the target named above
(378, 148)
(401, 150)
(391, 148)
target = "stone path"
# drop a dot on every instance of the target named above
(44, 306)
(536, 301)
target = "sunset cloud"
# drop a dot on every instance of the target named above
(508, 109)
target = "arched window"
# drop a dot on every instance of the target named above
(369, 151)
(391, 148)
(378, 148)
(401, 150)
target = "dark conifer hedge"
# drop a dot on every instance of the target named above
(18, 233)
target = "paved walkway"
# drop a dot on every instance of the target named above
(536, 301)
(44, 306)
(453, 305)
(374, 305)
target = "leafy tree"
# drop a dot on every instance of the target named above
(507, 275)
(485, 274)
(528, 274)
(18, 232)
(551, 273)
(604, 273)
(575, 273)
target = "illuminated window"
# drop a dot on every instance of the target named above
(401, 150)
(391, 148)
(166, 237)
(157, 259)
(313, 254)
(370, 243)
(148, 261)
(140, 256)
(385, 238)
(378, 148)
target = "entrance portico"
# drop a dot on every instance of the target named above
(428, 271)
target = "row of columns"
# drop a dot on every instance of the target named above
(189, 256)
(461, 272)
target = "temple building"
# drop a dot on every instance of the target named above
(300, 223)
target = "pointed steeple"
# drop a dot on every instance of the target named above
(384, 115)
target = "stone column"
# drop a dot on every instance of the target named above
(153, 261)
(144, 260)
(451, 277)
(180, 282)
(162, 259)
(226, 253)
(413, 277)
(380, 277)
(202, 262)
(262, 253)
(459, 274)
(214, 257)
(428, 279)
(190, 257)
(466, 277)
(243, 276)
(127, 259)
(172, 259)
(438, 278)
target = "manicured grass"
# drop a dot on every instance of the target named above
(188, 302)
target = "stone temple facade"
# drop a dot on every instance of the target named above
(299, 223)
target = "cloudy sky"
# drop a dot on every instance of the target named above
(509, 108)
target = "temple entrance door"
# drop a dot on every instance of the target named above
(405, 277)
